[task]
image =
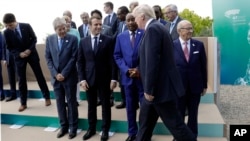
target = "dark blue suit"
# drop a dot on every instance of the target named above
(64, 61)
(160, 79)
(114, 23)
(11, 67)
(16, 46)
(98, 68)
(1, 56)
(126, 57)
(194, 78)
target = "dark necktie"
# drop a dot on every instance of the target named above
(17, 34)
(109, 23)
(133, 39)
(185, 50)
(95, 44)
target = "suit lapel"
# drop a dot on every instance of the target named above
(180, 50)
(192, 49)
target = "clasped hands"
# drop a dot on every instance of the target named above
(133, 72)
(85, 85)
(60, 77)
(25, 53)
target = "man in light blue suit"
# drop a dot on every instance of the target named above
(61, 56)
(126, 57)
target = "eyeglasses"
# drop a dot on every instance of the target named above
(187, 28)
(168, 12)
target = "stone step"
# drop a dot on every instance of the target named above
(29, 133)
(211, 124)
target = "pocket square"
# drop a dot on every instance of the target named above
(195, 52)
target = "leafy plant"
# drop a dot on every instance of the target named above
(202, 26)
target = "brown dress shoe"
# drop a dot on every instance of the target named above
(47, 102)
(22, 108)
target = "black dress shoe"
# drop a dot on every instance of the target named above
(89, 134)
(72, 135)
(2, 98)
(121, 106)
(111, 103)
(98, 103)
(131, 138)
(105, 136)
(10, 98)
(61, 133)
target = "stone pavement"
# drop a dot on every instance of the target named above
(234, 105)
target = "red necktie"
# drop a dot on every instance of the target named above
(185, 50)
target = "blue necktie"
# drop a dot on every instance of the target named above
(60, 41)
(171, 27)
(18, 34)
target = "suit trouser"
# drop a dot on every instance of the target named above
(12, 75)
(68, 115)
(34, 63)
(1, 83)
(170, 116)
(133, 93)
(104, 94)
(190, 102)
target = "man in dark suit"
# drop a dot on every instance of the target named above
(21, 42)
(171, 13)
(8, 60)
(84, 28)
(111, 19)
(97, 74)
(121, 14)
(161, 80)
(1, 77)
(126, 57)
(61, 57)
(106, 30)
(158, 14)
(190, 58)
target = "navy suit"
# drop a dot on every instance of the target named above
(163, 21)
(81, 31)
(114, 23)
(194, 78)
(16, 46)
(1, 56)
(11, 67)
(126, 57)
(97, 68)
(64, 61)
(161, 79)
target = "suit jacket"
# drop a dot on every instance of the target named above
(159, 74)
(106, 30)
(73, 24)
(193, 72)
(120, 27)
(28, 41)
(62, 61)
(113, 24)
(80, 29)
(163, 21)
(97, 66)
(174, 34)
(125, 55)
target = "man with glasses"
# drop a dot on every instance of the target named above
(171, 13)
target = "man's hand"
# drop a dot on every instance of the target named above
(204, 92)
(59, 77)
(84, 85)
(149, 97)
(113, 84)
(134, 72)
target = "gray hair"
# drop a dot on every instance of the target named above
(58, 22)
(182, 23)
(146, 10)
(172, 7)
